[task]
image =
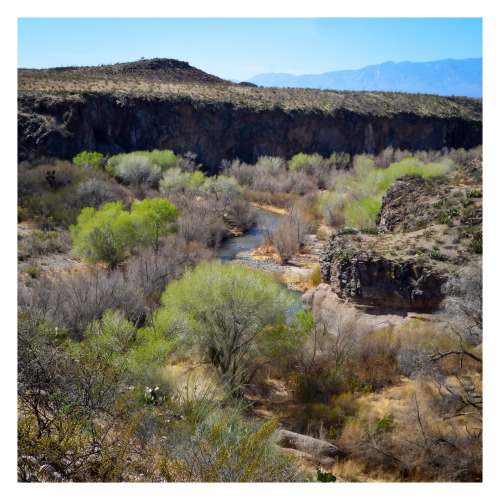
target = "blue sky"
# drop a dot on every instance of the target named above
(240, 48)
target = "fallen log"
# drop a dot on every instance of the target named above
(312, 446)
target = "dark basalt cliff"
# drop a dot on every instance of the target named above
(376, 281)
(62, 125)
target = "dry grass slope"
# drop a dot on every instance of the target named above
(169, 79)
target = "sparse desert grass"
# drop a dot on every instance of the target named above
(206, 89)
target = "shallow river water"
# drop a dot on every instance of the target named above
(250, 240)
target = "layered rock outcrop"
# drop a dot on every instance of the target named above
(370, 279)
(407, 199)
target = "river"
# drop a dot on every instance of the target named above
(250, 240)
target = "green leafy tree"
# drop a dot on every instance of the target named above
(230, 315)
(91, 159)
(304, 163)
(153, 218)
(340, 160)
(176, 181)
(107, 235)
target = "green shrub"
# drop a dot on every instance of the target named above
(446, 217)
(163, 159)
(340, 160)
(384, 424)
(436, 254)
(228, 451)
(111, 234)
(323, 477)
(304, 163)
(153, 218)
(175, 180)
(477, 244)
(218, 307)
(362, 214)
(92, 159)
(107, 235)
(135, 168)
(34, 272)
(361, 193)
(475, 193)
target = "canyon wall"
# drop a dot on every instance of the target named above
(63, 125)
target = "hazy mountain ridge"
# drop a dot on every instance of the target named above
(446, 77)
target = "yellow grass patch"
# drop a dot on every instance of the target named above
(270, 208)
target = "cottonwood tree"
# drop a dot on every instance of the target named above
(106, 235)
(111, 234)
(153, 218)
(228, 314)
(89, 159)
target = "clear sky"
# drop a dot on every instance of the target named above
(240, 48)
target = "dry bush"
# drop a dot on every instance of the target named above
(240, 215)
(77, 299)
(94, 193)
(327, 365)
(199, 222)
(291, 233)
(280, 200)
(410, 435)
(326, 178)
(43, 243)
(376, 364)
(121, 192)
(281, 182)
(311, 280)
(385, 158)
(303, 183)
(462, 307)
(414, 361)
(187, 162)
(339, 334)
(151, 271)
(242, 172)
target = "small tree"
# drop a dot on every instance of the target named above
(153, 218)
(291, 234)
(304, 163)
(94, 193)
(135, 168)
(224, 189)
(106, 235)
(228, 313)
(90, 159)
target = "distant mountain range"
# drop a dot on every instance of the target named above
(447, 77)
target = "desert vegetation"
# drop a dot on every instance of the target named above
(143, 358)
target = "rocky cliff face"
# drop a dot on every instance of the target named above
(426, 228)
(373, 280)
(62, 125)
